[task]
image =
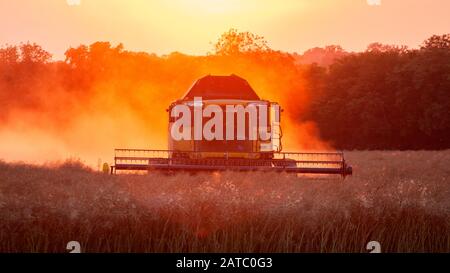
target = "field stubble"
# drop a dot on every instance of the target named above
(401, 199)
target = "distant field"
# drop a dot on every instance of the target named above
(401, 199)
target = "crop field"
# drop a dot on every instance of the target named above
(400, 199)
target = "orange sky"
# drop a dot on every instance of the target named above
(190, 26)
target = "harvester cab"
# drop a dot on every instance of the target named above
(222, 124)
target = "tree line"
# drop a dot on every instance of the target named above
(387, 97)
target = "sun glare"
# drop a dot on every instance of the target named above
(210, 6)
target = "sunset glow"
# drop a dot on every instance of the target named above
(190, 26)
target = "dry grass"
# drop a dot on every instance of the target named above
(401, 199)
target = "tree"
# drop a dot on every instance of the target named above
(381, 48)
(77, 57)
(233, 42)
(321, 56)
(33, 53)
(437, 42)
(9, 55)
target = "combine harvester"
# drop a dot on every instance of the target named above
(228, 102)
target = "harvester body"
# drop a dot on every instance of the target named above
(236, 145)
(232, 146)
(227, 93)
